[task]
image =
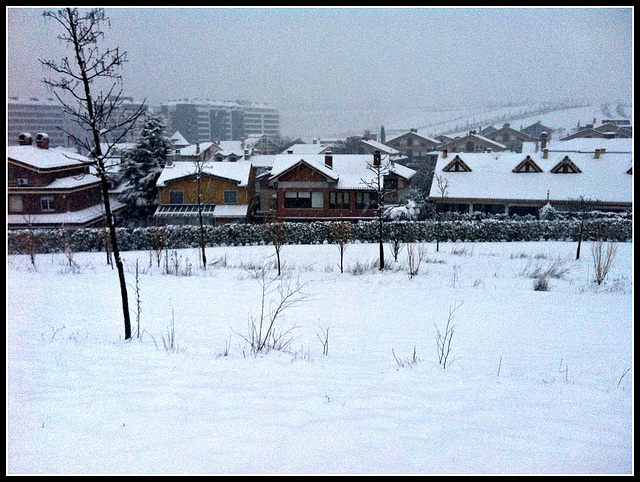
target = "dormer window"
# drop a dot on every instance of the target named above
(566, 166)
(527, 165)
(456, 165)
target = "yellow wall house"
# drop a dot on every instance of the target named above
(227, 188)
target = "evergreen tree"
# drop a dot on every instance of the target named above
(142, 167)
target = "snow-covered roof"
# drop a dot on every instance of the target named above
(305, 149)
(238, 172)
(349, 170)
(492, 177)
(178, 140)
(393, 137)
(381, 147)
(81, 217)
(477, 137)
(590, 144)
(46, 158)
(194, 149)
(229, 148)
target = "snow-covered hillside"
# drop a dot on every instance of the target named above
(537, 381)
(335, 122)
(563, 117)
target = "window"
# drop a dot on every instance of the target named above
(15, 204)
(46, 203)
(231, 197)
(390, 183)
(366, 200)
(317, 200)
(566, 166)
(304, 199)
(176, 197)
(339, 200)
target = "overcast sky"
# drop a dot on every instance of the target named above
(357, 58)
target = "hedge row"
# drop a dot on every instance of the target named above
(176, 237)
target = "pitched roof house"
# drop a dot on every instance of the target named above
(227, 188)
(413, 145)
(51, 188)
(521, 183)
(510, 137)
(332, 186)
(472, 142)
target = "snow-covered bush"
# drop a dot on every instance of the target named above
(456, 228)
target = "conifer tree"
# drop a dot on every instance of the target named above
(142, 167)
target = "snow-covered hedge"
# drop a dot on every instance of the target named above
(467, 229)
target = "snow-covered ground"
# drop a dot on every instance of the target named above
(537, 381)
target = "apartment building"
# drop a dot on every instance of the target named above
(33, 114)
(211, 120)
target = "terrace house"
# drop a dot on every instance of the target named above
(227, 192)
(328, 186)
(521, 183)
(51, 188)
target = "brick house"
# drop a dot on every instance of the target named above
(472, 142)
(413, 145)
(51, 188)
(321, 187)
(509, 137)
(228, 193)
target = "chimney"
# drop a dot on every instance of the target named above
(25, 139)
(328, 159)
(376, 158)
(42, 141)
(444, 153)
(597, 156)
(543, 141)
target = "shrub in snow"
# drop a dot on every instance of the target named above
(455, 227)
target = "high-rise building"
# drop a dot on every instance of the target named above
(36, 115)
(209, 120)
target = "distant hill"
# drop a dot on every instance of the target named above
(314, 123)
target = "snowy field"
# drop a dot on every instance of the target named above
(537, 382)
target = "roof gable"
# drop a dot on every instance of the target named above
(566, 166)
(527, 165)
(456, 165)
(237, 172)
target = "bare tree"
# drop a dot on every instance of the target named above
(443, 188)
(380, 169)
(603, 256)
(582, 206)
(277, 232)
(342, 237)
(98, 113)
(200, 165)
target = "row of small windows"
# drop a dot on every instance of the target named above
(337, 200)
(566, 166)
(177, 197)
(16, 204)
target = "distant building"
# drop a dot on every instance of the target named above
(509, 137)
(472, 142)
(212, 121)
(34, 114)
(31, 114)
(413, 145)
